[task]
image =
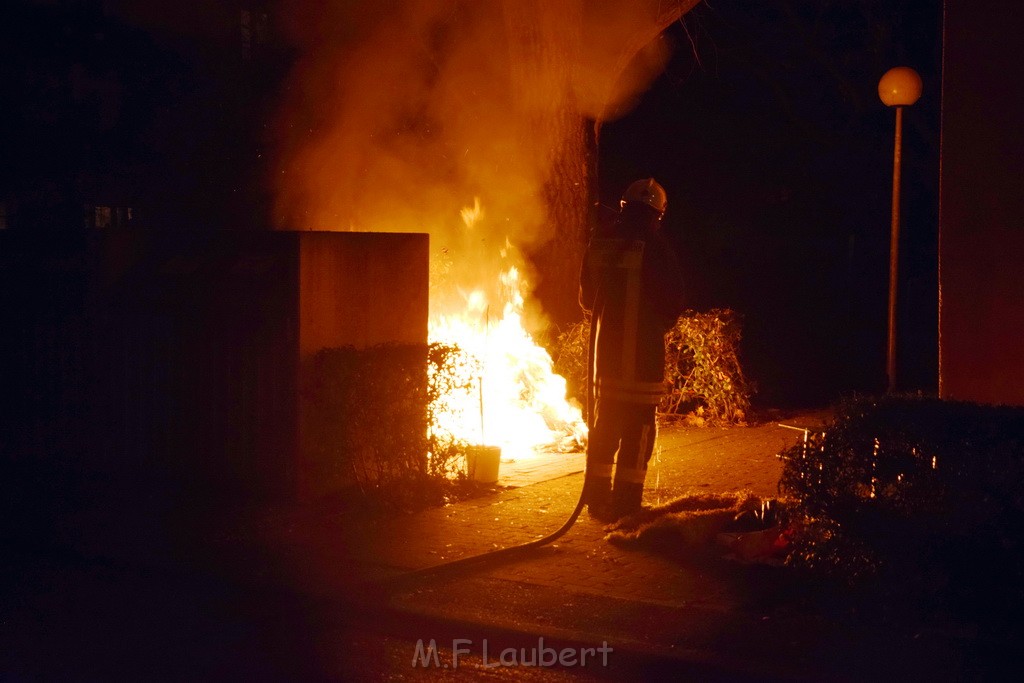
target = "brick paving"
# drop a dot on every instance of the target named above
(688, 460)
(580, 587)
(325, 554)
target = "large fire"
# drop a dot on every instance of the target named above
(514, 400)
(396, 112)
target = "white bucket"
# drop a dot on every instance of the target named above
(482, 463)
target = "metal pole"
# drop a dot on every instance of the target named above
(487, 334)
(894, 251)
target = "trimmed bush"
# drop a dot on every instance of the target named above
(924, 495)
(370, 411)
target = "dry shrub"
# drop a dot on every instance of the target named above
(570, 359)
(451, 373)
(702, 367)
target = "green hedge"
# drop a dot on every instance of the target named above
(924, 495)
(369, 411)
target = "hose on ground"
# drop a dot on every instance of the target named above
(504, 553)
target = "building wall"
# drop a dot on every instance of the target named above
(981, 249)
(360, 290)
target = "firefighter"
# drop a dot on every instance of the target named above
(631, 286)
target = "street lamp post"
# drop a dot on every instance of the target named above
(899, 87)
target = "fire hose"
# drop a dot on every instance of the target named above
(511, 551)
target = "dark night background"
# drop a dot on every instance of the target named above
(768, 134)
(168, 113)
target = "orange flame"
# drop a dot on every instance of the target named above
(517, 401)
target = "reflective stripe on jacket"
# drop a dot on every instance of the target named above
(633, 289)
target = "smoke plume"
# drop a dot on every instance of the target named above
(400, 114)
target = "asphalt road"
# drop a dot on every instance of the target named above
(69, 618)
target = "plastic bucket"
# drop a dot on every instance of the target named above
(482, 463)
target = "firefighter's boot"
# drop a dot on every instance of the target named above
(597, 494)
(626, 499)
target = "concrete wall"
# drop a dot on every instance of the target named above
(362, 289)
(355, 289)
(981, 243)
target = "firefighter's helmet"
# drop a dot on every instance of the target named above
(646, 191)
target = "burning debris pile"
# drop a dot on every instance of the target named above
(508, 394)
(513, 398)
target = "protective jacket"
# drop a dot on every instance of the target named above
(631, 283)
